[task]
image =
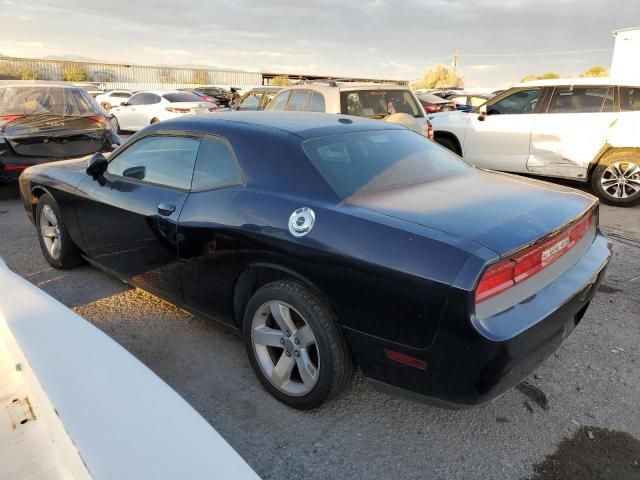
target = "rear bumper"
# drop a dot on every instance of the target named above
(467, 369)
(12, 165)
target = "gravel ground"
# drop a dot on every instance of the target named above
(594, 379)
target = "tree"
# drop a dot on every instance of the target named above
(27, 73)
(200, 77)
(595, 71)
(544, 76)
(281, 81)
(439, 76)
(73, 72)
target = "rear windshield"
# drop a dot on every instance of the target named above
(59, 101)
(368, 162)
(379, 103)
(182, 97)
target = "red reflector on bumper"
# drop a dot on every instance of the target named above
(406, 359)
(10, 168)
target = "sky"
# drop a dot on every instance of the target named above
(498, 42)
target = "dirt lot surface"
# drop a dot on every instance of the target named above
(593, 380)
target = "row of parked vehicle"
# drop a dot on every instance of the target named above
(578, 129)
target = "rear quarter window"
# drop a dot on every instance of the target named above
(379, 103)
(630, 99)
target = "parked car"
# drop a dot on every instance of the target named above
(148, 107)
(113, 98)
(66, 394)
(389, 102)
(204, 97)
(433, 103)
(222, 95)
(580, 129)
(327, 240)
(465, 101)
(47, 121)
(91, 89)
(256, 99)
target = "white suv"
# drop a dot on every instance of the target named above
(581, 129)
(391, 102)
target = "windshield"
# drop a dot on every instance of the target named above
(60, 101)
(379, 103)
(182, 97)
(368, 162)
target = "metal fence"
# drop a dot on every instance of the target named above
(109, 75)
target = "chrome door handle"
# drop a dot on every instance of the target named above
(166, 209)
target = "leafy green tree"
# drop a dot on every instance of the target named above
(439, 76)
(595, 71)
(544, 76)
(200, 77)
(281, 81)
(73, 72)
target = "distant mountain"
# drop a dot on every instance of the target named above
(73, 58)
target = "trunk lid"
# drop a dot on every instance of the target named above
(56, 136)
(190, 107)
(500, 211)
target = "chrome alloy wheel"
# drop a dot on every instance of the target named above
(285, 348)
(621, 179)
(50, 232)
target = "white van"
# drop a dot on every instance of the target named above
(585, 129)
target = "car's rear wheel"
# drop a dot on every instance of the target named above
(154, 120)
(295, 345)
(616, 178)
(57, 246)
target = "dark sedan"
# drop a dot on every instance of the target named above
(329, 242)
(45, 121)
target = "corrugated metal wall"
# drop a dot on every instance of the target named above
(108, 75)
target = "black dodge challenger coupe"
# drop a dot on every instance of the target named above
(330, 242)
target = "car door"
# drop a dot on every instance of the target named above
(148, 110)
(128, 218)
(500, 138)
(127, 114)
(574, 128)
(211, 248)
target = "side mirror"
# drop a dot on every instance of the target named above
(97, 165)
(482, 112)
(135, 172)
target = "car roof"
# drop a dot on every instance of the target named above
(265, 89)
(163, 92)
(36, 83)
(333, 85)
(567, 82)
(302, 124)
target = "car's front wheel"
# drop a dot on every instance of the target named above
(616, 178)
(295, 345)
(57, 246)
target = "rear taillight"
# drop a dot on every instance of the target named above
(432, 108)
(6, 119)
(429, 130)
(511, 271)
(177, 110)
(98, 118)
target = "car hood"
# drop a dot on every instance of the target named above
(500, 211)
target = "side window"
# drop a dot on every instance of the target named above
(629, 99)
(162, 160)
(609, 102)
(250, 102)
(279, 101)
(296, 100)
(215, 166)
(577, 99)
(476, 101)
(316, 102)
(150, 99)
(136, 99)
(519, 102)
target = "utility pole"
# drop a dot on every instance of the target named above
(455, 68)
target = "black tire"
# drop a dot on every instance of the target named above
(336, 365)
(603, 172)
(449, 144)
(154, 120)
(69, 255)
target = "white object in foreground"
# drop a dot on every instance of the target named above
(75, 404)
